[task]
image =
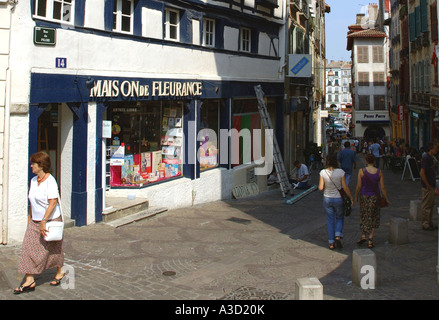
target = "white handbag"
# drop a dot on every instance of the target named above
(55, 228)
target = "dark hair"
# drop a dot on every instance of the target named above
(370, 158)
(296, 162)
(347, 144)
(331, 160)
(42, 159)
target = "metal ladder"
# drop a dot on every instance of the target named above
(284, 182)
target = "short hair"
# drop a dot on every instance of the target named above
(430, 145)
(296, 162)
(370, 158)
(347, 144)
(42, 159)
(331, 160)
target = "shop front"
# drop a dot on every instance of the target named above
(372, 124)
(165, 140)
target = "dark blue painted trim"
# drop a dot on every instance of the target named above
(51, 88)
(108, 15)
(79, 12)
(100, 189)
(225, 123)
(79, 166)
(35, 111)
(189, 110)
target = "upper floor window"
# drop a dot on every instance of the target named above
(209, 32)
(362, 54)
(245, 39)
(123, 15)
(378, 54)
(61, 10)
(172, 24)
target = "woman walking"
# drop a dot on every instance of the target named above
(370, 181)
(331, 180)
(38, 254)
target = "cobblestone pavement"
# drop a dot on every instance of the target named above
(253, 248)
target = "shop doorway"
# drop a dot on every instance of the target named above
(47, 140)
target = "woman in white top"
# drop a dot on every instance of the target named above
(37, 254)
(331, 180)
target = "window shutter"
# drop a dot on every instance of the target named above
(412, 26)
(433, 22)
(418, 21)
(424, 16)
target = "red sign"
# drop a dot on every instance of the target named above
(400, 112)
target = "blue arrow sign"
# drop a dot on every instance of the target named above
(299, 65)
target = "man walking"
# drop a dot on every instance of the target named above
(428, 182)
(348, 161)
(375, 150)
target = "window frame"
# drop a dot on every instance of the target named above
(119, 15)
(168, 24)
(50, 5)
(245, 43)
(363, 56)
(209, 33)
(377, 54)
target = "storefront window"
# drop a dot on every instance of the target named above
(209, 134)
(146, 142)
(246, 116)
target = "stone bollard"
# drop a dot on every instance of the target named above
(309, 289)
(398, 233)
(364, 268)
(415, 210)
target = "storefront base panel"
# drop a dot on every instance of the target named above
(213, 185)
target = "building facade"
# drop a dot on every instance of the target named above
(136, 97)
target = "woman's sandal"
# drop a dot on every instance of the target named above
(332, 246)
(57, 282)
(338, 243)
(23, 289)
(362, 240)
(370, 244)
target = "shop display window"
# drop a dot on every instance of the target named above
(146, 142)
(209, 134)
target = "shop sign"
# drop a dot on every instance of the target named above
(371, 116)
(400, 112)
(135, 89)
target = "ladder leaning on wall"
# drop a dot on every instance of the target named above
(278, 162)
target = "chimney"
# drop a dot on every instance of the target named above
(360, 17)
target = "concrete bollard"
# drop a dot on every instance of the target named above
(415, 210)
(364, 268)
(309, 289)
(398, 233)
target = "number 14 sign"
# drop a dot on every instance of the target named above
(61, 62)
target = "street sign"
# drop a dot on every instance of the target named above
(45, 36)
(300, 65)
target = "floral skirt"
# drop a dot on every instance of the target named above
(38, 254)
(369, 213)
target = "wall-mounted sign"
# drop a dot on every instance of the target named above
(300, 65)
(376, 116)
(60, 62)
(106, 129)
(45, 36)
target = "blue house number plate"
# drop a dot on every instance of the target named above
(61, 62)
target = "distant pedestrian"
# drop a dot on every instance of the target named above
(375, 150)
(302, 174)
(370, 180)
(348, 160)
(38, 254)
(331, 180)
(428, 183)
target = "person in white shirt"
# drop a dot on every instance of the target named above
(38, 254)
(302, 175)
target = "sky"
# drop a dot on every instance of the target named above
(343, 13)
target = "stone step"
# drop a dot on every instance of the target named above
(122, 207)
(136, 217)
